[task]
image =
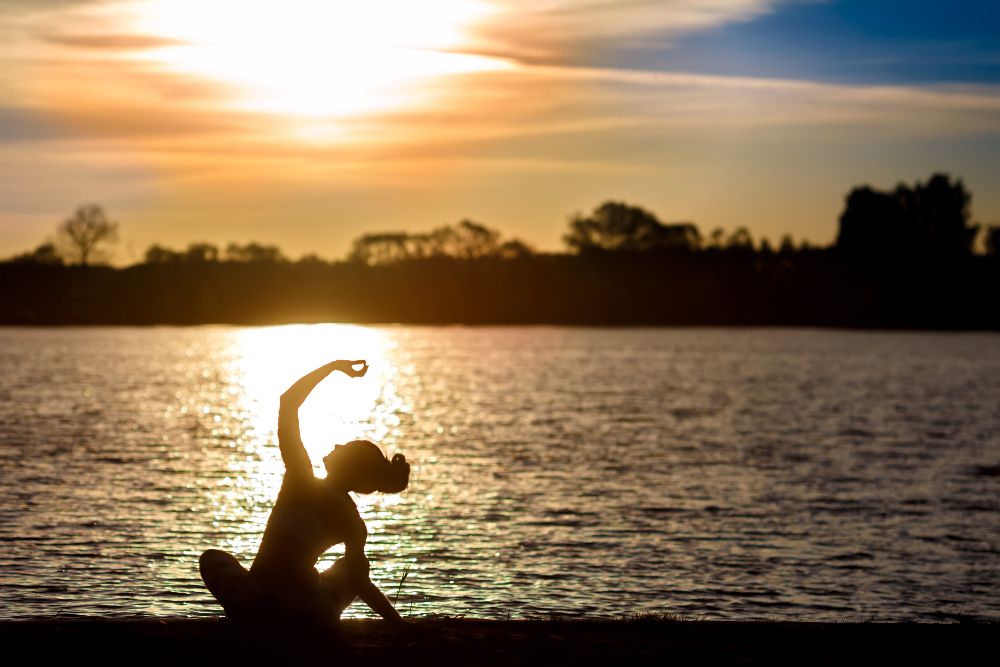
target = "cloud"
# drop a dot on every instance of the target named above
(25, 6)
(459, 115)
(113, 42)
(18, 124)
(541, 100)
(558, 29)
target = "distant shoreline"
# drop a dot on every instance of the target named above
(500, 325)
(527, 642)
(726, 288)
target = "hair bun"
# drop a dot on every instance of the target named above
(398, 477)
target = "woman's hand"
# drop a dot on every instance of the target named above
(347, 367)
(296, 394)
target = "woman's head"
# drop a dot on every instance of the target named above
(361, 467)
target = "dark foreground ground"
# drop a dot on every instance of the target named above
(479, 642)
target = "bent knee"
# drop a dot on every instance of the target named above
(220, 571)
(214, 560)
(211, 555)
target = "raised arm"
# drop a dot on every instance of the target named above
(293, 453)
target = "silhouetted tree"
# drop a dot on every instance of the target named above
(926, 221)
(312, 259)
(716, 237)
(466, 240)
(787, 246)
(254, 253)
(43, 254)
(203, 252)
(740, 238)
(376, 249)
(937, 215)
(195, 253)
(514, 249)
(160, 255)
(618, 226)
(871, 225)
(83, 233)
(993, 240)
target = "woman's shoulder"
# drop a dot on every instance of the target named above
(346, 508)
(299, 486)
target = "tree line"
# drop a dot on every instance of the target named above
(903, 258)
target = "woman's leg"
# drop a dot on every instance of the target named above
(224, 577)
(336, 583)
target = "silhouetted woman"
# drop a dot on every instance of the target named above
(310, 516)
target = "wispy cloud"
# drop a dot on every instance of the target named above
(114, 42)
(539, 114)
(558, 29)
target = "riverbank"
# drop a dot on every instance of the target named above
(521, 642)
(712, 287)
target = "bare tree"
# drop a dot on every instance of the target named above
(85, 231)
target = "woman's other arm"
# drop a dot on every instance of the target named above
(358, 568)
(293, 453)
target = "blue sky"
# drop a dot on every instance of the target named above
(846, 41)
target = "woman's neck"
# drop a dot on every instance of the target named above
(335, 487)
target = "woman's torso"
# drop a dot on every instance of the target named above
(307, 519)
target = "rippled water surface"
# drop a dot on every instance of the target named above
(809, 475)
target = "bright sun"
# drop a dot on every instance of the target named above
(314, 57)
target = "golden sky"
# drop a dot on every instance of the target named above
(305, 123)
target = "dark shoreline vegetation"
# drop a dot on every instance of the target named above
(521, 642)
(903, 259)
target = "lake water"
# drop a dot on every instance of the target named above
(793, 474)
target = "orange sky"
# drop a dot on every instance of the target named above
(306, 123)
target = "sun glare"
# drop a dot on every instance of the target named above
(315, 57)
